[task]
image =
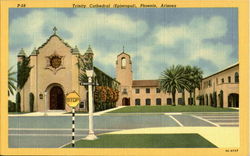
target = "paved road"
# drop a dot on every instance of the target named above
(52, 132)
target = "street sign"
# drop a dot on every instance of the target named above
(72, 99)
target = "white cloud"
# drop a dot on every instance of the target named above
(193, 38)
(199, 39)
(197, 29)
(83, 26)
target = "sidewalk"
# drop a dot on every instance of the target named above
(64, 113)
(222, 137)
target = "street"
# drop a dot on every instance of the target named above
(55, 131)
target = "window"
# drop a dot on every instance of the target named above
(158, 90)
(158, 101)
(124, 91)
(169, 101)
(123, 62)
(137, 102)
(148, 101)
(81, 105)
(147, 90)
(180, 101)
(216, 80)
(137, 90)
(209, 83)
(222, 80)
(236, 77)
(229, 79)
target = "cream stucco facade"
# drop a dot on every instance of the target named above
(50, 84)
(146, 92)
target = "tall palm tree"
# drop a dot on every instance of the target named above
(197, 77)
(173, 79)
(11, 81)
(189, 76)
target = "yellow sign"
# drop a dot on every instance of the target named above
(72, 99)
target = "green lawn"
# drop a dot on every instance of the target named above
(146, 141)
(146, 109)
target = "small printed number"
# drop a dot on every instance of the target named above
(231, 150)
(21, 5)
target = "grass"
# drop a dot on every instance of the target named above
(146, 141)
(147, 109)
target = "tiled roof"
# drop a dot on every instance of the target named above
(227, 68)
(145, 83)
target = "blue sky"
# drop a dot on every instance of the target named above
(155, 38)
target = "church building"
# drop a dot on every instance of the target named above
(56, 71)
(220, 89)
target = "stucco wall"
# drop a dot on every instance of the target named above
(41, 80)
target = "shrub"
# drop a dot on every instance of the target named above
(221, 99)
(18, 102)
(11, 106)
(211, 100)
(215, 99)
(31, 102)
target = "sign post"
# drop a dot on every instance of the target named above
(73, 99)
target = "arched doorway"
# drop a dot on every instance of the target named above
(126, 102)
(56, 97)
(233, 100)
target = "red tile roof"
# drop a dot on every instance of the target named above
(145, 83)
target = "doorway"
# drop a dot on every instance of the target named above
(57, 99)
(126, 102)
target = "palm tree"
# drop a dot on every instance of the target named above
(197, 77)
(173, 79)
(188, 73)
(11, 81)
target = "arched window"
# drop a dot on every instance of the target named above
(137, 102)
(236, 77)
(124, 62)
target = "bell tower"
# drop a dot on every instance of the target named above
(124, 76)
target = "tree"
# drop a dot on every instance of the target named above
(188, 73)
(23, 72)
(173, 79)
(194, 79)
(11, 81)
(18, 102)
(197, 77)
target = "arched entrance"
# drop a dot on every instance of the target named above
(126, 102)
(56, 97)
(233, 100)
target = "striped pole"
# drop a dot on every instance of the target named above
(73, 126)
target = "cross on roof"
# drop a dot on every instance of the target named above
(123, 49)
(54, 29)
